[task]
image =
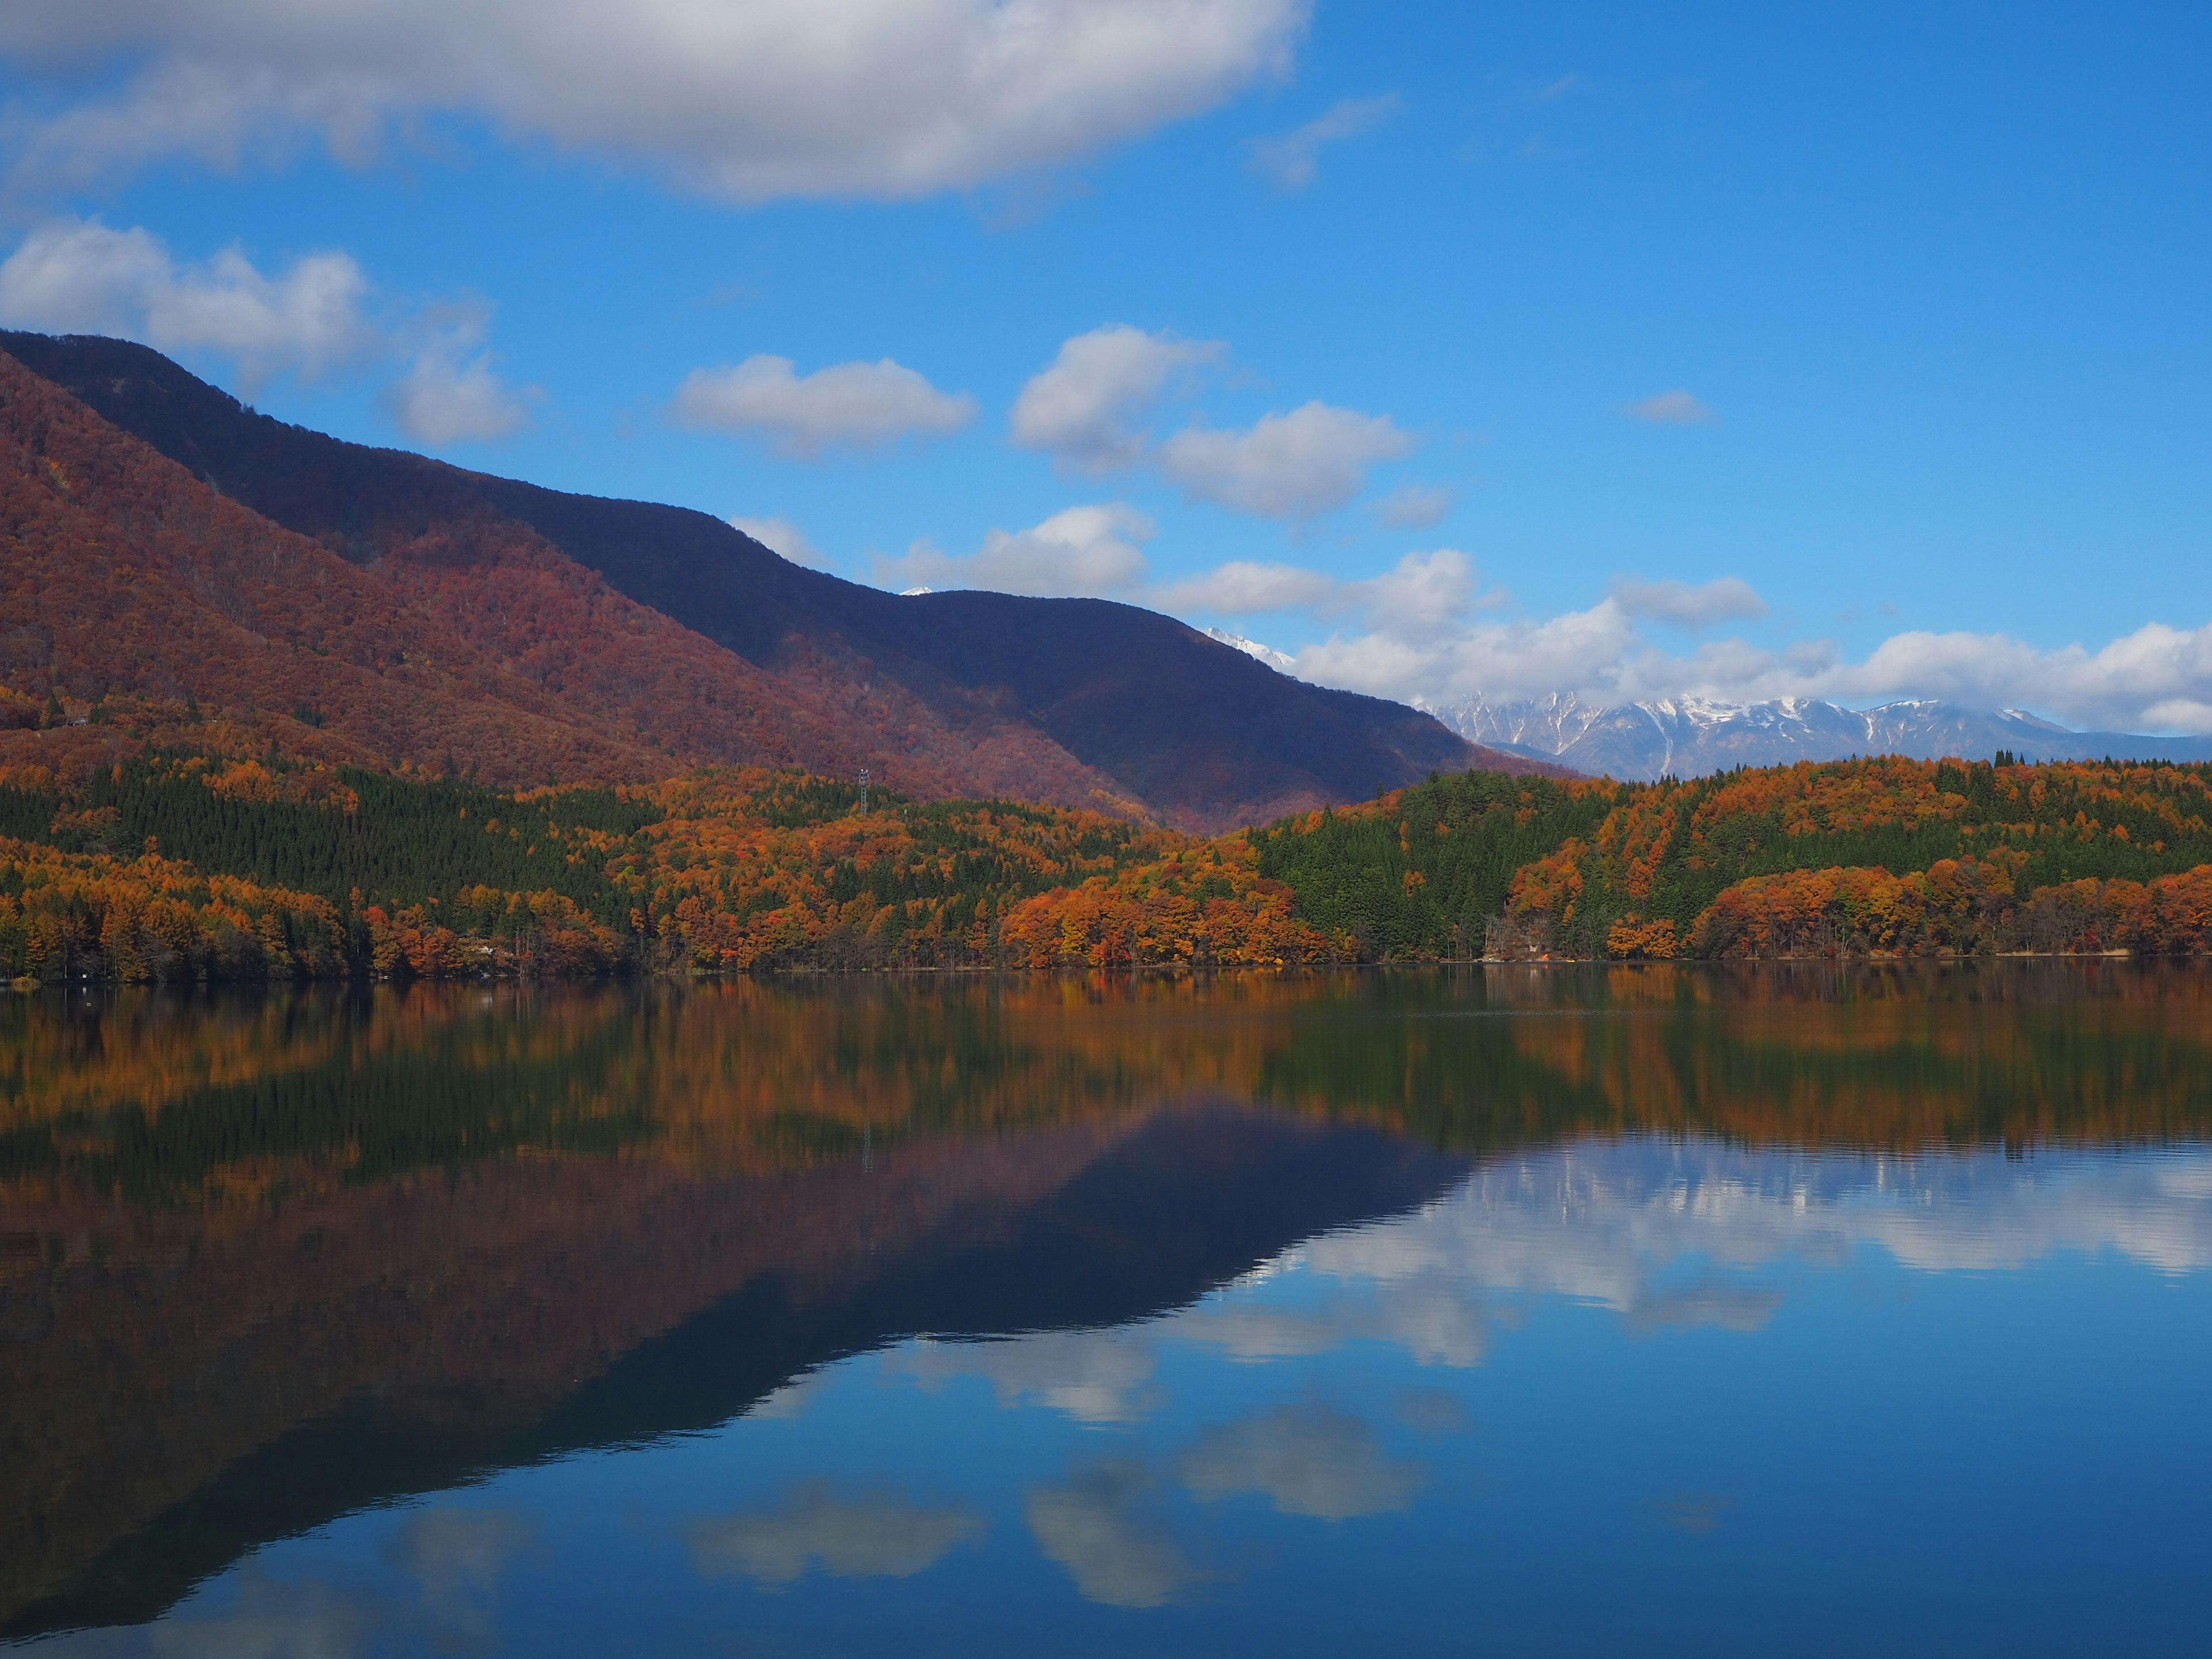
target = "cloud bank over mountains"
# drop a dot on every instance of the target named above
(770, 99)
(2157, 678)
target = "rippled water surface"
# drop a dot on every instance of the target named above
(1508, 1311)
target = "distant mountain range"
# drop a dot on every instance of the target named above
(164, 541)
(1690, 737)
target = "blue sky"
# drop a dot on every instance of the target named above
(1854, 351)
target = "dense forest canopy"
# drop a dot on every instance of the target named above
(197, 866)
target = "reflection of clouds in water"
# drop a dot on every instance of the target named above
(791, 1399)
(1432, 1411)
(1596, 1221)
(1104, 1525)
(1094, 1376)
(1309, 1459)
(457, 1555)
(1254, 1330)
(874, 1536)
(1604, 1222)
(1432, 1317)
(271, 1619)
(1713, 1303)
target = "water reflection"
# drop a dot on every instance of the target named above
(353, 1323)
(874, 1535)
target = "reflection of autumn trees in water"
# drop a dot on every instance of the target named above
(243, 1096)
(443, 1207)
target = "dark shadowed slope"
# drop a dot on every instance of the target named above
(1194, 731)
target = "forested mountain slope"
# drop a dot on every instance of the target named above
(251, 872)
(1075, 702)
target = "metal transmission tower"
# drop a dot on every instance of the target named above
(863, 792)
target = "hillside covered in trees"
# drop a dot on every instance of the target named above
(168, 551)
(192, 865)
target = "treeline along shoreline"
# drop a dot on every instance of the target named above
(189, 866)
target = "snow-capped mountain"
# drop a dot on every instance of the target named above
(1689, 737)
(1280, 661)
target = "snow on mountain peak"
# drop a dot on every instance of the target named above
(1280, 661)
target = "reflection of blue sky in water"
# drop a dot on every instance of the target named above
(1600, 1391)
(1662, 1233)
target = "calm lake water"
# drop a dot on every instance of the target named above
(1513, 1311)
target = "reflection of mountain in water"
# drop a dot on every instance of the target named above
(266, 1259)
(403, 1338)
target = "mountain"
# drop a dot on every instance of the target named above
(1281, 661)
(657, 630)
(1691, 737)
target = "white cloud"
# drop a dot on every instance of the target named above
(80, 277)
(1309, 1460)
(1415, 505)
(1080, 550)
(1089, 407)
(451, 394)
(892, 99)
(781, 537)
(1685, 606)
(1418, 632)
(860, 405)
(1243, 587)
(1675, 408)
(318, 315)
(1291, 161)
(1103, 1524)
(1420, 598)
(1086, 406)
(876, 1536)
(1297, 465)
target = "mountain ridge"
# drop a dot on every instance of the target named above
(1073, 702)
(1690, 737)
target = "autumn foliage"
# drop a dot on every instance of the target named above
(1883, 856)
(67, 916)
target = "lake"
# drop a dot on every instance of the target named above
(1515, 1311)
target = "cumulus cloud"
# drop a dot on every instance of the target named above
(856, 405)
(1310, 461)
(1724, 600)
(875, 1537)
(80, 277)
(1675, 408)
(892, 99)
(318, 315)
(1415, 505)
(1104, 1525)
(1243, 587)
(1309, 1460)
(781, 537)
(1422, 633)
(1291, 161)
(452, 394)
(1087, 405)
(1076, 551)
